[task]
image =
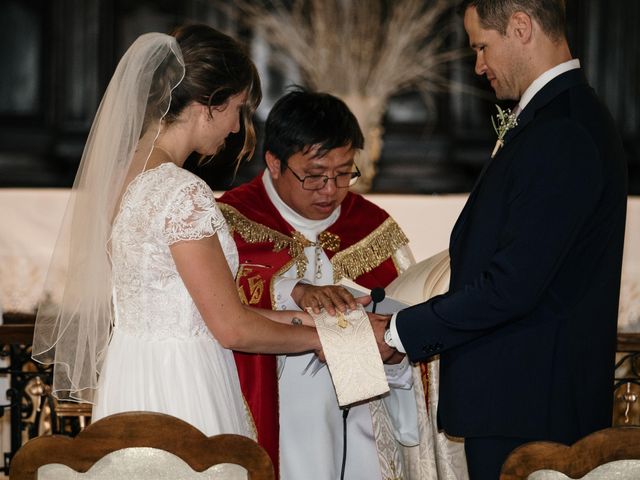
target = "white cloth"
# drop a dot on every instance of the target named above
(315, 451)
(352, 355)
(162, 357)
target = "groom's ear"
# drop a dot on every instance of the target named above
(521, 26)
(273, 164)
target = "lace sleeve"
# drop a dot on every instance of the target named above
(193, 214)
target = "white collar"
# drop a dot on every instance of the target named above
(309, 228)
(545, 78)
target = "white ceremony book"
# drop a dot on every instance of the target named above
(352, 355)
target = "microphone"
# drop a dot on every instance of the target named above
(377, 295)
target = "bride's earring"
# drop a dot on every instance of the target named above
(208, 111)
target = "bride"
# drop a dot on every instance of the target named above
(150, 310)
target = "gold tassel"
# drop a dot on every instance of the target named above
(369, 252)
(254, 232)
(359, 258)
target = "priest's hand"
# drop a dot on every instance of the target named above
(379, 324)
(329, 297)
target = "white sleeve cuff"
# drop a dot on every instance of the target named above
(282, 288)
(394, 334)
(399, 375)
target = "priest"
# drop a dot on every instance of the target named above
(299, 231)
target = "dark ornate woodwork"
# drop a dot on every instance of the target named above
(29, 381)
(626, 407)
(58, 56)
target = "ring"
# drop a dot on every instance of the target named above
(296, 321)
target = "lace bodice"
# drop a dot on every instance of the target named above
(162, 206)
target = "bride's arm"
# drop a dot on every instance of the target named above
(285, 316)
(204, 271)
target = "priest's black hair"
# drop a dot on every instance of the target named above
(303, 119)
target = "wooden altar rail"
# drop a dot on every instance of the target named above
(16, 335)
(628, 342)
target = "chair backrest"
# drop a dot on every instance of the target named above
(592, 451)
(131, 430)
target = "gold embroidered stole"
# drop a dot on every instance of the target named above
(357, 259)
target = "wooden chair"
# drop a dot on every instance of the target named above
(599, 448)
(141, 429)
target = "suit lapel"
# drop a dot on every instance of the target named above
(546, 94)
(551, 90)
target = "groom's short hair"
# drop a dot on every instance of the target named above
(303, 119)
(495, 14)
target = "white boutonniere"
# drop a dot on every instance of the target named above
(506, 121)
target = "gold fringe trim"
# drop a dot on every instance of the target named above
(251, 231)
(359, 258)
(254, 232)
(369, 252)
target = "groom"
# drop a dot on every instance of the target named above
(527, 332)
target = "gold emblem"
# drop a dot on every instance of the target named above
(342, 322)
(255, 284)
(329, 241)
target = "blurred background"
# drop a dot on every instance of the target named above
(57, 57)
(403, 66)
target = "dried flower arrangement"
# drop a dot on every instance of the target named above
(363, 51)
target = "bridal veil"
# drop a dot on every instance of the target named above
(73, 327)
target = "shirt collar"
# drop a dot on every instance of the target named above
(545, 78)
(309, 228)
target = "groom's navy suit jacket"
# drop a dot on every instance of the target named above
(527, 332)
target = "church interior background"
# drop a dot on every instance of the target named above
(58, 55)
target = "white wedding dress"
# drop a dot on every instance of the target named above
(162, 357)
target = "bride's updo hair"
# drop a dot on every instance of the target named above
(216, 68)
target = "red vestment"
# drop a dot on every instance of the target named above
(360, 245)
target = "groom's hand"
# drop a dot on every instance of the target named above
(396, 358)
(330, 297)
(379, 325)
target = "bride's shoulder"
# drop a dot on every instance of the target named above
(176, 178)
(170, 186)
